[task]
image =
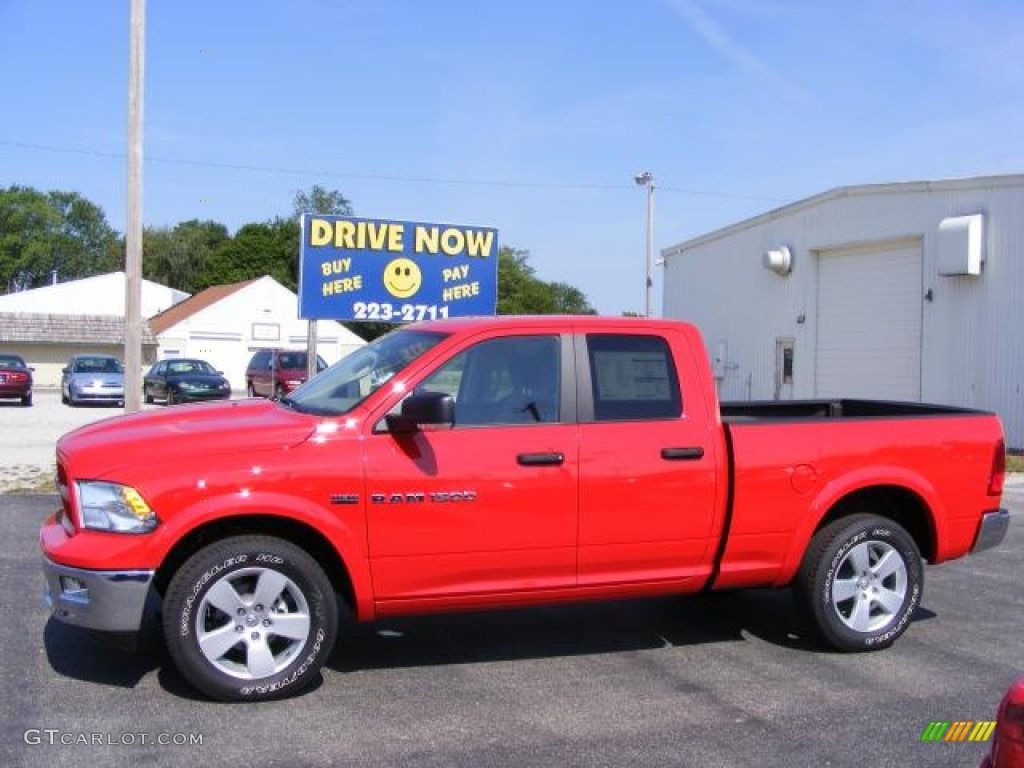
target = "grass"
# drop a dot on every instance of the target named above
(1015, 462)
(40, 481)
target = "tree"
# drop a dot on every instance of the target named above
(61, 232)
(520, 292)
(178, 257)
(321, 200)
(268, 248)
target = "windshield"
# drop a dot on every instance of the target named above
(189, 366)
(348, 382)
(97, 365)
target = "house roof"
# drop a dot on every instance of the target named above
(96, 295)
(29, 328)
(185, 309)
(860, 190)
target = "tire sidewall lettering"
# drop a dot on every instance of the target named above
(199, 587)
(833, 567)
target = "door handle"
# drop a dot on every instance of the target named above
(540, 459)
(682, 454)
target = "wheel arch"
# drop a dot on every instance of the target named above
(302, 535)
(910, 504)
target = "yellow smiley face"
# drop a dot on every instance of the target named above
(402, 278)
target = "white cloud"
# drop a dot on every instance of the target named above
(717, 38)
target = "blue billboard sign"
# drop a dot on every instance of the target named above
(395, 271)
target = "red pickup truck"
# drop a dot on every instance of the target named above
(479, 463)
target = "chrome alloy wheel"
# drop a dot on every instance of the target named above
(252, 623)
(870, 586)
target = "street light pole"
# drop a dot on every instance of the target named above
(646, 179)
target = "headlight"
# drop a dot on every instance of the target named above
(113, 507)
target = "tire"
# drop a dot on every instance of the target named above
(171, 399)
(256, 581)
(26, 401)
(250, 390)
(860, 582)
(146, 396)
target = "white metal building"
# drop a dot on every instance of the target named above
(225, 324)
(904, 291)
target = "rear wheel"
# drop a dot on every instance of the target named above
(250, 390)
(860, 581)
(250, 618)
(172, 399)
(26, 401)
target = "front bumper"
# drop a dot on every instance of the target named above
(992, 530)
(98, 396)
(201, 396)
(107, 600)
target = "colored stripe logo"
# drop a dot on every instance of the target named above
(958, 730)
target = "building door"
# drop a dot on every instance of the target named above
(784, 348)
(869, 322)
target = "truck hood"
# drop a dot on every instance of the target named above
(98, 449)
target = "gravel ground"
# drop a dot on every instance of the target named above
(27, 451)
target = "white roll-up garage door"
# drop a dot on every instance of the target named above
(869, 322)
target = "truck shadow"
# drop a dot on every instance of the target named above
(571, 630)
(768, 615)
(97, 657)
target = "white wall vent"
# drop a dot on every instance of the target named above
(960, 245)
(778, 260)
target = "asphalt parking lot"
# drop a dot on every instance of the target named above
(722, 680)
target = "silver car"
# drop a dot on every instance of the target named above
(92, 379)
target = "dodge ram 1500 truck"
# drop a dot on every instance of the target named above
(497, 462)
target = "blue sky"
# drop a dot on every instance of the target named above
(530, 116)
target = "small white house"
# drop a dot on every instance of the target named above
(225, 324)
(904, 291)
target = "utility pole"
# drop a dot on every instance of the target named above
(133, 231)
(646, 179)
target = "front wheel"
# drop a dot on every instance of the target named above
(250, 618)
(860, 581)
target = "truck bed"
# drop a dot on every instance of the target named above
(746, 412)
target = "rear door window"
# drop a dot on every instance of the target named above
(633, 377)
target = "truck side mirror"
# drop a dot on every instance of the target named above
(422, 409)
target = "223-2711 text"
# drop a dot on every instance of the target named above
(405, 313)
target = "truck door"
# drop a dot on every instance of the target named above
(647, 462)
(489, 506)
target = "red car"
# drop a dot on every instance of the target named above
(276, 372)
(1008, 738)
(15, 379)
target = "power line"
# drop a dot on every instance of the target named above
(376, 176)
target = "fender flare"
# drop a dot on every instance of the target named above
(860, 479)
(348, 544)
